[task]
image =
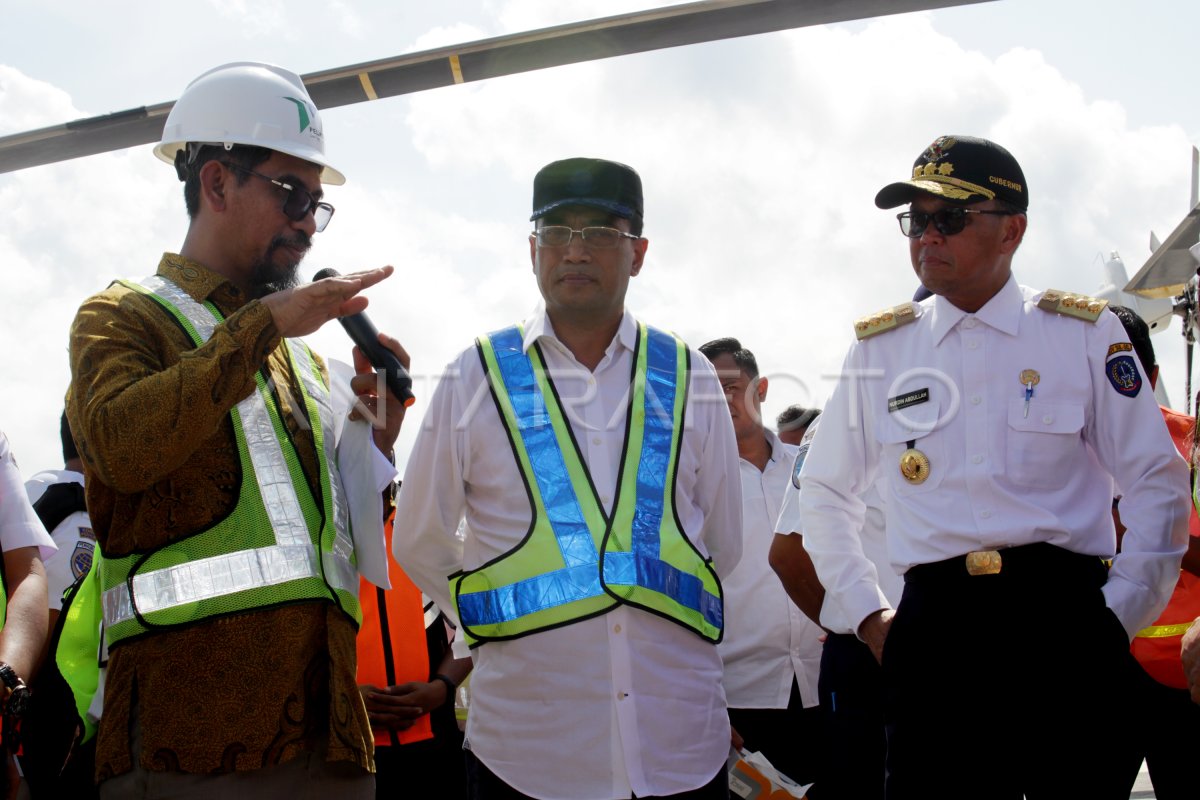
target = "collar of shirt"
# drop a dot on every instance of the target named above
(1002, 312)
(200, 282)
(539, 327)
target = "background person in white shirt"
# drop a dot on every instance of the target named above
(771, 651)
(57, 497)
(997, 420)
(850, 686)
(623, 703)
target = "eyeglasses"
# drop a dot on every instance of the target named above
(947, 221)
(596, 237)
(298, 202)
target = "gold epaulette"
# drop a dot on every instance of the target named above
(1079, 306)
(886, 320)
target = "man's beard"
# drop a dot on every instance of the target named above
(267, 277)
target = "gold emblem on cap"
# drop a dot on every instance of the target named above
(914, 466)
(984, 562)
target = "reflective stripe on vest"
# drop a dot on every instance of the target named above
(576, 562)
(197, 577)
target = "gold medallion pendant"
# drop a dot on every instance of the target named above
(914, 466)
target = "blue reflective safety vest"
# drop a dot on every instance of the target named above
(576, 561)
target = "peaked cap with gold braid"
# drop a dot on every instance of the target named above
(961, 170)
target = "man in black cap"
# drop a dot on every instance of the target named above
(597, 522)
(1001, 422)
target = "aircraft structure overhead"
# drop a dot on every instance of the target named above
(624, 34)
(1171, 265)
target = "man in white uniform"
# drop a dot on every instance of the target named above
(23, 628)
(998, 420)
(772, 652)
(590, 682)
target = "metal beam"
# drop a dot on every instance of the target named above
(638, 32)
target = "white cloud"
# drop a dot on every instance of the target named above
(27, 103)
(760, 158)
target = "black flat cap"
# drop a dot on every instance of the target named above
(593, 182)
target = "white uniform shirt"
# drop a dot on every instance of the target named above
(19, 525)
(874, 544)
(768, 641)
(74, 537)
(998, 477)
(626, 702)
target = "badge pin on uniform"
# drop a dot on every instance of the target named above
(914, 465)
(1029, 379)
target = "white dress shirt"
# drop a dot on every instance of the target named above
(74, 537)
(623, 703)
(768, 641)
(874, 543)
(19, 525)
(1003, 472)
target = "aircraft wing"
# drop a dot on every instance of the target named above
(637, 32)
(1171, 266)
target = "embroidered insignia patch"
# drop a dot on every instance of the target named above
(81, 559)
(800, 454)
(1123, 374)
(1119, 347)
(87, 533)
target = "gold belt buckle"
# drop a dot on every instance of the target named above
(984, 562)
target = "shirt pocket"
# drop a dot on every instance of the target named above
(916, 427)
(1042, 447)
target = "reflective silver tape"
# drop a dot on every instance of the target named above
(343, 542)
(208, 578)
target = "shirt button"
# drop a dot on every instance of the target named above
(976, 459)
(973, 345)
(969, 323)
(976, 400)
(596, 440)
(985, 514)
(622, 695)
(616, 628)
(1047, 419)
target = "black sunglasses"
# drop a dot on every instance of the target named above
(947, 221)
(297, 203)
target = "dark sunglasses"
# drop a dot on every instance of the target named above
(947, 221)
(298, 202)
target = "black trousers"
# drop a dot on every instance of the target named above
(999, 686)
(484, 785)
(1167, 735)
(851, 691)
(793, 738)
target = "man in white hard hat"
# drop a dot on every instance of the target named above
(228, 569)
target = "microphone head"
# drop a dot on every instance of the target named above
(328, 272)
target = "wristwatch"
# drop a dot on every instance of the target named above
(18, 693)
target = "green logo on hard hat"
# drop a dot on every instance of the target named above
(302, 107)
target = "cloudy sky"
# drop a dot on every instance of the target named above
(760, 159)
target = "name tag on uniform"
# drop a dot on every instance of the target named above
(905, 400)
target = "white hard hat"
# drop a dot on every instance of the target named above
(248, 103)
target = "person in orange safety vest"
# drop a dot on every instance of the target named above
(1168, 730)
(407, 676)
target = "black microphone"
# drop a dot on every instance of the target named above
(366, 337)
